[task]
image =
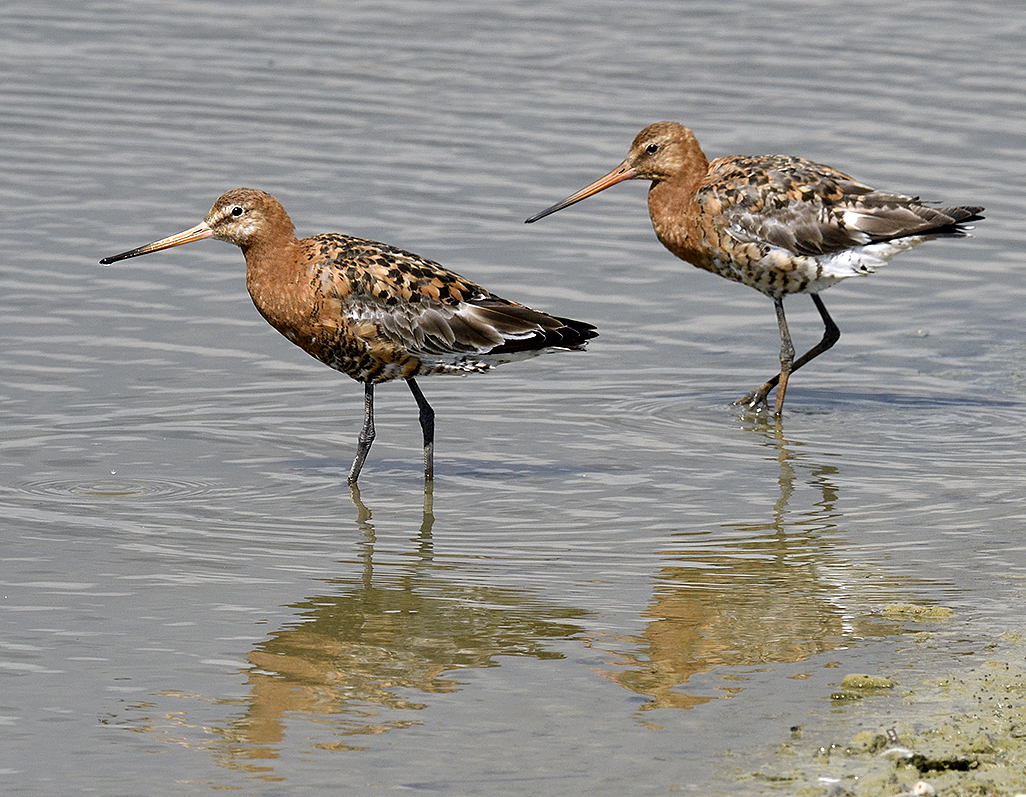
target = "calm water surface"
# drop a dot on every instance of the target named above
(619, 585)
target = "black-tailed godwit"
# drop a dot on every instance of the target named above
(778, 224)
(370, 310)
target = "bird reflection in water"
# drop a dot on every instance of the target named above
(395, 626)
(764, 593)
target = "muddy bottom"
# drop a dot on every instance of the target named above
(960, 733)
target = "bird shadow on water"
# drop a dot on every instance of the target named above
(735, 598)
(361, 657)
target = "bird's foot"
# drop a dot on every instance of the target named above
(755, 399)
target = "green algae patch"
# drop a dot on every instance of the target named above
(917, 612)
(859, 681)
(867, 742)
(856, 686)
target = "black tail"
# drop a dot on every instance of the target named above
(573, 334)
(957, 219)
(525, 329)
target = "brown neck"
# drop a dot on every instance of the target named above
(273, 280)
(674, 211)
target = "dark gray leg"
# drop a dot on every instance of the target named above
(427, 423)
(366, 434)
(831, 334)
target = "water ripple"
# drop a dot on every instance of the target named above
(116, 487)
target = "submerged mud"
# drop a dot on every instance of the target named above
(954, 732)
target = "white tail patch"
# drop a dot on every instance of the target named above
(853, 219)
(866, 259)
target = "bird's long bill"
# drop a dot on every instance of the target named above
(197, 233)
(622, 172)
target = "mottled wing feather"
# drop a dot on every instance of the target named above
(470, 334)
(523, 329)
(806, 229)
(811, 209)
(427, 310)
(887, 216)
(489, 325)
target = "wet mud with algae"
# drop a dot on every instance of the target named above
(949, 721)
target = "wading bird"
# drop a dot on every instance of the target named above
(370, 310)
(778, 224)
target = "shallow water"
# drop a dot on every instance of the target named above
(619, 584)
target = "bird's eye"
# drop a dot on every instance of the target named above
(237, 211)
(652, 149)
